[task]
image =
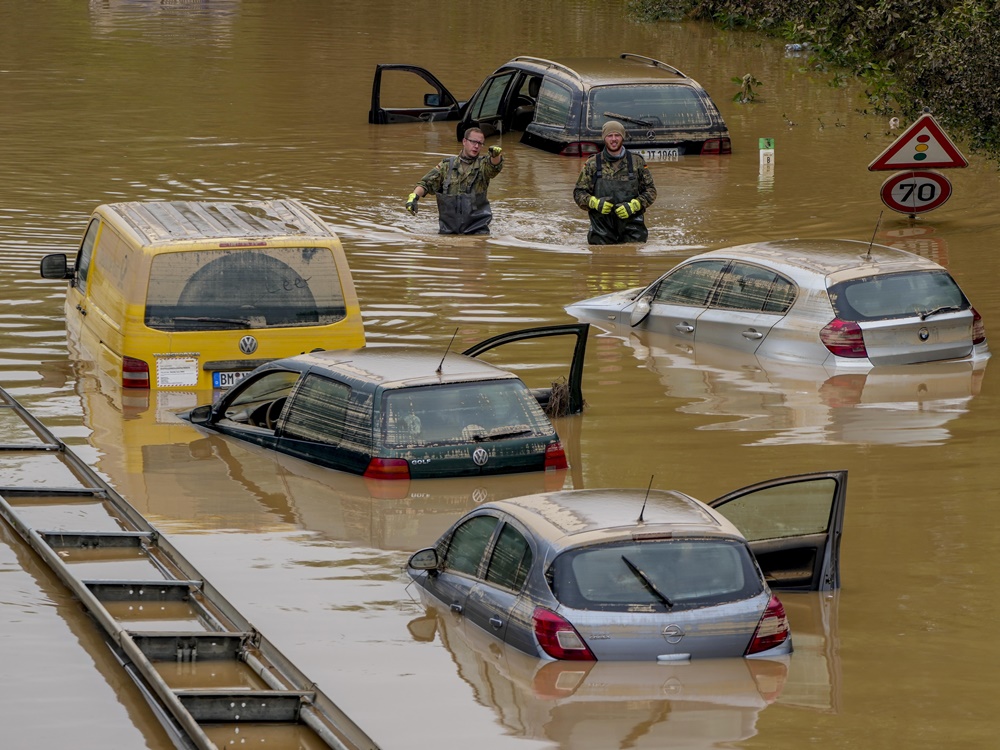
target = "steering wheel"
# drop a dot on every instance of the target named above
(273, 412)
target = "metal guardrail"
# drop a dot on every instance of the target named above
(170, 629)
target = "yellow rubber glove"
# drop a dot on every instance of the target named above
(495, 151)
(628, 210)
(411, 203)
(600, 205)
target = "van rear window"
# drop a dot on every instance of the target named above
(274, 287)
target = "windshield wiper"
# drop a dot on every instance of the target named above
(648, 583)
(617, 116)
(237, 322)
(480, 437)
(944, 308)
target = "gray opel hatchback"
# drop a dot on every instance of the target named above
(628, 574)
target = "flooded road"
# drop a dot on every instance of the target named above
(223, 99)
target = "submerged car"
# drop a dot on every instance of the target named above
(843, 304)
(647, 575)
(560, 106)
(399, 412)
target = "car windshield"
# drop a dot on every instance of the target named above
(648, 106)
(457, 413)
(663, 574)
(897, 295)
(248, 288)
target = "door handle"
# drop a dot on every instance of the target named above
(750, 333)
(456, 607)
(684, 328)
(496, 622)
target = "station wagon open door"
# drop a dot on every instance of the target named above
(793, 525)
(439, 104)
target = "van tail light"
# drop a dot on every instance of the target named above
(559, 639)
(978, 328)
(581, 148)
(135, 373)
(388, 468)
(844, 338)
(555, 457)
(717, 146)
(772, 630)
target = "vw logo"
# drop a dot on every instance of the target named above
(673, 633)
(480, 457)
(923, 334)
(248, 344)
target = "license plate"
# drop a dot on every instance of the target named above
(659, 154)
(227, 379)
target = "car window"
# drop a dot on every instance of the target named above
(244, 288)
(256, 391)
(320, 411)
(648, 105)
(486, 102)
(468, 544)
(458, 413)
(784, 510)
(511, 559)
(895, 295)
(690, 284)
(554, 103)
(687, 572)
(84, 255)
(747, 287)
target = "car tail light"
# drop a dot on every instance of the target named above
(559, 639)
(581, 148)
(555, 456)
(388, 468)
(844, 338)
(135, 373)
(978, 328)
(772, 630)
(717, 146)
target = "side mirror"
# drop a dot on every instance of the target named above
(55, 266)
(200, 414)
(640, 311)
(425, 559)
(432, 100)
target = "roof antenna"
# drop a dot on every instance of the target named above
(643, 508)
(441, 363)
(868, 255)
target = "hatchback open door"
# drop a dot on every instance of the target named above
(793, 525)
(404, 89)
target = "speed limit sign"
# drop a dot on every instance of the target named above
(915, 191)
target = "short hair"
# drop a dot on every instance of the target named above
(474, 130)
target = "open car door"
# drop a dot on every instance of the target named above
(404, 92)
(793, 525)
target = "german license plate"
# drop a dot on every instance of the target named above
(227, 379)
(659, 154)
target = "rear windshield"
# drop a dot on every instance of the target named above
(649, 106)
(458, 413)
(245, 288)
(897, 295)
(673, 574)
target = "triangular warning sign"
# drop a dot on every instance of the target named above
(922, 145)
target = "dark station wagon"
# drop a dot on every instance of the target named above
(561, 106)
(398, 412)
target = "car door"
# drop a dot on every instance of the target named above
(748, 301)
(462, 559)
(676, 303)
(793, 525)
(492, 598)
(438, 104)
(491, 108)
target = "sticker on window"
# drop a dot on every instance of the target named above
(176, 371)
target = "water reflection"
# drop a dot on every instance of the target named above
(807, 404)
(626, 704)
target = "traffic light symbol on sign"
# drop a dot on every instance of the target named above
(923, 144)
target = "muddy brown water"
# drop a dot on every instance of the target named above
(223, 99)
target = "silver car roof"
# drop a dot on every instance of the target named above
(572, 518)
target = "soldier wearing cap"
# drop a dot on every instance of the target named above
(615, 188)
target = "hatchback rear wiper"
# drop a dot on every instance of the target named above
(648, 583)
(944, 308)
(236, 322)
(616, 116)
(480, 437)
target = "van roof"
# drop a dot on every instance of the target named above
(170, 221)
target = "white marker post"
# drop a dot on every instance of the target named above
(766, 179)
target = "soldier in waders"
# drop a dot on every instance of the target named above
(459, 183)
(615, 188)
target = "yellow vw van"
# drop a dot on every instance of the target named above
(190, 295)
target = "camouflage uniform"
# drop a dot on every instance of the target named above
(619, 183)
(460, 188)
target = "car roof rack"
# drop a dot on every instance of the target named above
(652, 62)
(550, 63)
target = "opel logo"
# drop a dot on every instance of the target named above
(480, 457)
(673, 633)
(923, 334)
(248, 344)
